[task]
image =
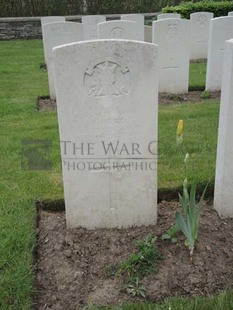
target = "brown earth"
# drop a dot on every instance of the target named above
(192, 96)
(71, 264)
(46, 104)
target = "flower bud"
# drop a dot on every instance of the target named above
(186, 159)
(180, 132)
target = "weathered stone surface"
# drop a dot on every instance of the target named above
(148, 34)
(223, 194)
(49, 20)
(221, 29)
(168, 15)
(90, 23)
(101, 87)
(173, 39)
(139, 20)
(200, 23)
(52, 19)
(119, 29)
(55, 34)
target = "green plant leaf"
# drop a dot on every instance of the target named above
(183, 203)
(185, 192)
(142, 294)
(193, 195)
(199, 209)
(166, 237)
(170, 232)
(184, 228)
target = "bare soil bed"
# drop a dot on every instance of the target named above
(192, 96)
(71, 264)
(46, 104)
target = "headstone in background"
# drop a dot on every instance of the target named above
(230, 13)
(58, 34)
(90, 23)
(107, 93)
(52, 19)
(223, 194)
(148, 34)
(173, 39)
(168, 15)
(49, 20)
(119, 29)
(200, 23)
(221, 29)
(139, 20)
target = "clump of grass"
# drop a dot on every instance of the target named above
(138, 265)
(205, 94)
(141, 263)
(169, 234)
(175, 97)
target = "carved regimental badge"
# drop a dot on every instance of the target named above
(172, 31)
(118, 33)
(202, 20)
(107, 78)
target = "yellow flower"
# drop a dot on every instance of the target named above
(180, 132)
(180, 128)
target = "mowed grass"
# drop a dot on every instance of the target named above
(223, 301)
(200, 141)
(197, 74)
(21, 82)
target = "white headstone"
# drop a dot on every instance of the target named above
(52, 19)
(49, 20)
(139, 19)
(107, 93)
(119, 29)
(90, 23)
(168, 15)
(223, 193)
(148, 34)
(200, 23)
(221, 29)
(173, 39)
(56, 34)
(230, 13)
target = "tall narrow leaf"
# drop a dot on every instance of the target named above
(189, 224)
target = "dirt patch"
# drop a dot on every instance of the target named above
(71, 266)
(46, 104)
(43, 67)
(192, 96)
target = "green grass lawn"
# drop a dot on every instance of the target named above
(200, 141)
(197, 74)
(21, 82)
(223, 301)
